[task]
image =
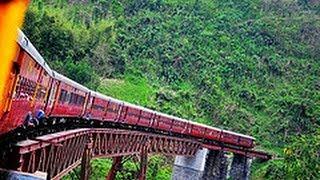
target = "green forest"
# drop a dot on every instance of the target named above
(250, 66)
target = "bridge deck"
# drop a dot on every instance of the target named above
(60, 152)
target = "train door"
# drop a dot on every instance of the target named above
(39, 100)
(25, 89)
(53, 95)
(85, 104)
(88, 107)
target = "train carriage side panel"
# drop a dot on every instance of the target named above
(164, 123)
(230, 138)
(113, 111)
(88, 105)
(130, 114)
(212, 133)
(247, 142)
(99, 105)
(236, 139)
(71, 99)
(25, 89)
(42, 91)
(179, 125)
(146, 118)
(197, 130)
(30, 79)
(51, 98)
(138, 115)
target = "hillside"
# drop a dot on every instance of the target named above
(249, 66)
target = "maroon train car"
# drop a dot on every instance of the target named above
(36, 87)
(31, 78)
(70, 99)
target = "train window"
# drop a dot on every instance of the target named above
(76, 99)
(53, 92)
(41, 93)
(112, 107)
(19, 89)
(63, 96)
(68, 95)
(81, 100)
(25, 88)
(78, 102)
(98, 107)
(72, 98)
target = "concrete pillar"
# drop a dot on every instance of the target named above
(190, 168)
(216, 167)
(240, 167)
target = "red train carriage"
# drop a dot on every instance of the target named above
(197, 130)
(113, 109)
(180, 125)
(31, 78)
(163, 122)
(70, 99)
(212, 133)
(137, 115)
(146, 118)
(246, 141)
(34, 87)
(236, 139)
(97, 107)
(130, 114)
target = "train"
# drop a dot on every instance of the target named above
(33, 86)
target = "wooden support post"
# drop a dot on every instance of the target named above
(116, 166)
(143, 163)
(86, 158)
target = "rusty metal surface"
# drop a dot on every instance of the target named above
(59, 153)
(116, 166)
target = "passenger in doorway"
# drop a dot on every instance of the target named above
(40, 115)
(29, 122)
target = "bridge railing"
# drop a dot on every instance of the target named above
(57, 154)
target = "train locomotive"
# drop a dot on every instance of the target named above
(34, 90)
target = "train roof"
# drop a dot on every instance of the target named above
(158, 113)
(96, 94)
(25, 44)
(242, 135)
(64, 79)
(140, 107)
(105, 97)
(226, 131)
(204, 125)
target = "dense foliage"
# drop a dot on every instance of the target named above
(250, 66)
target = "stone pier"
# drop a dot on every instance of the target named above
(216, 166)
(190, 168)
(240, 167)
(211, 165)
